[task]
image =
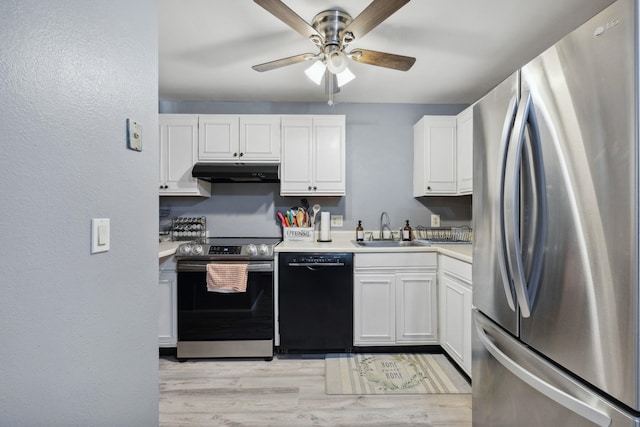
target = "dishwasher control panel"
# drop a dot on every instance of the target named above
(317, 259)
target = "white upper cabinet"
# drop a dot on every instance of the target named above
(239, 139)
(465, 151)
(443, 155)
(434, 156)
(313, 156)
(178, 153)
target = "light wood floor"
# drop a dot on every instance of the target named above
(288, 391)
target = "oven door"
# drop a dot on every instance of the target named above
(213, 317)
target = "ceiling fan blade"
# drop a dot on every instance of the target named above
(289, 17)
(382, 59)
(372, 16)
(267, 66)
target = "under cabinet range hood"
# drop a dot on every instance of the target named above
(224, 172)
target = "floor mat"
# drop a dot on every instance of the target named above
(392, 374)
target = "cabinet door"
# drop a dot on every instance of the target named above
(260, 138)
(374, 311)
(455, 306)
(296, 168)
(435, 156)
(416, 308)
(178, 153)
(167, 316)
(219, 138)
(465, 151)
(329, 156)
(452, 327)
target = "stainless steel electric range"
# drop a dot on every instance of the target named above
(225, 325)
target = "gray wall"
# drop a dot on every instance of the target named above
(78, 332)
(379, 173)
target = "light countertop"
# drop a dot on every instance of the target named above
(168, 248)
(343, 243)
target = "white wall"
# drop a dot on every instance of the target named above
(379, 173)
(78, 332)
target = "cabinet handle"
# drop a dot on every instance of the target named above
(235, 154)
(241, 154)
(315, 188)
(429, 188)
(309, 188)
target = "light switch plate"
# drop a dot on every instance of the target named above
(435, 220)
(336, 220)
(100, 235)
(134, 135)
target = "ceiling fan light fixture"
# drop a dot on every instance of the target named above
(345, 77)
(315, 72)
(336, 61)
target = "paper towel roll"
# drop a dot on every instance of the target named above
(325, 226)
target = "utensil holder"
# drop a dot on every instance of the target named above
(297, 234)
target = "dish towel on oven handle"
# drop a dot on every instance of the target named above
(227, 277)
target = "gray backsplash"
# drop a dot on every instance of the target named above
(379, 173)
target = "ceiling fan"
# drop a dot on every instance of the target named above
(332, 31)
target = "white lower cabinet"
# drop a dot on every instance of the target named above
(455, 310)
(167, 304)
(395, 299)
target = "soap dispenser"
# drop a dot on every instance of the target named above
(359, 232)
(406, 232)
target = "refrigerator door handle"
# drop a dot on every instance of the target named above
(525, 116)
(577, 406)
(502, 250)
(538, 207)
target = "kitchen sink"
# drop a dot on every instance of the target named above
(386, 243)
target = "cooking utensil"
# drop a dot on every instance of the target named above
(316, 209)
(300, 217)
(282, 220)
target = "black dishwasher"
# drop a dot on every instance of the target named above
(315, 302)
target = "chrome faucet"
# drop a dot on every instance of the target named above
(385, 224)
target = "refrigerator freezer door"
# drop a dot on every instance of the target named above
(585, 314)
(493, 118)
(512, 386)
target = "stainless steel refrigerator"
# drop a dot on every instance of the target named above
(555, 212)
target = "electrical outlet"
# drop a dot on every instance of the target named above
(336, 220)
(435, 220)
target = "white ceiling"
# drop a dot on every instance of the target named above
(463, 48)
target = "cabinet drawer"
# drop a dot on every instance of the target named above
(457, 268)
(396, 260)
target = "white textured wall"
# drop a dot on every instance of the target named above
(78, 332)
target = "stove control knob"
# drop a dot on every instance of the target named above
(197, 250)
(263, 250)
(252, 250)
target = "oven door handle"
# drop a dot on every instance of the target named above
(202, 267)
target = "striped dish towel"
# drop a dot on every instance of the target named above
(227, 277)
